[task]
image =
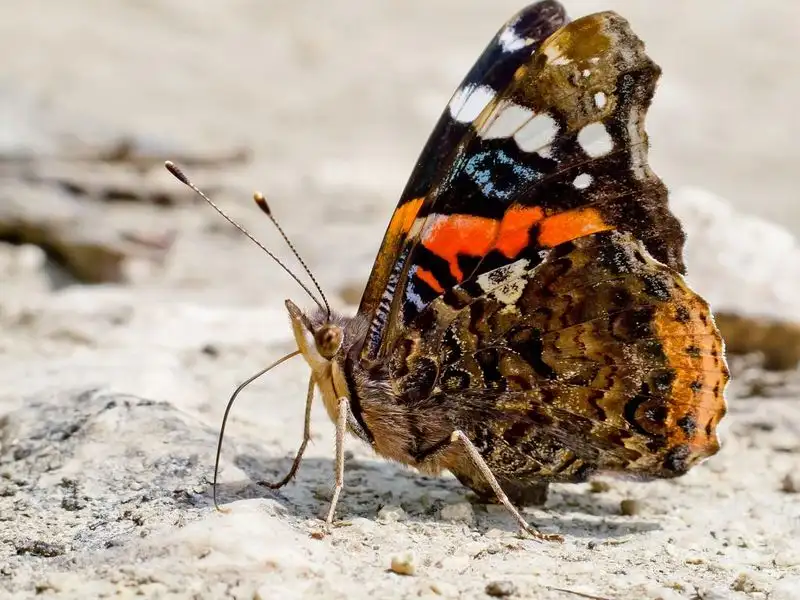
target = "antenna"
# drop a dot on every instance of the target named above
(181, 176)
(261, 202)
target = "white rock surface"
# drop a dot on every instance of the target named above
(738, 262)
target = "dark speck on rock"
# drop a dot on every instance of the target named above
(501, 589)
(39, 548)
(210, 350)
(21, 452)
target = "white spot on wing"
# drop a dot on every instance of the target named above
(582, 181)
(507, 121)
(507, 283)
(595, 140)
(555, 55)
(600, 100)
(468, 102)
(586, 72)
(511, 42)
(537, 134)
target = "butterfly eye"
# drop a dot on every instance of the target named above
(328, 339)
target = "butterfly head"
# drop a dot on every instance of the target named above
(321, 339)
(319, 336)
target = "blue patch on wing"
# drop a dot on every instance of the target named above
(498, 175)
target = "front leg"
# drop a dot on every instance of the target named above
(306, 437)
(343, 411)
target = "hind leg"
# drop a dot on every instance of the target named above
(521, 493)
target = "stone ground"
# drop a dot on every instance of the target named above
(111, 394)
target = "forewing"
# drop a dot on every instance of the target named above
(599, 358)
(559, 153)
(494, 70)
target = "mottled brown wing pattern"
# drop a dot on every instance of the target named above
(598, 359)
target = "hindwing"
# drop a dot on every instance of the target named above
(596, 359)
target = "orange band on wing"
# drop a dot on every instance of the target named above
(403, 218)
(455, 235)
(570, 225)
(430, 279)
(452, 235)
(513, 236)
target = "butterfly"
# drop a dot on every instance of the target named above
(526, 320)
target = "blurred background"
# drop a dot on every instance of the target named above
(331, 103)
(324, 107)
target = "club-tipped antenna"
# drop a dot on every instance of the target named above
(261, 202)
(181, 176)
(228, 407)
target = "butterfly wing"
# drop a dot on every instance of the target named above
(558, 153)
(510, 48)
(599, 358)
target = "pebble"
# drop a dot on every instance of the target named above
(630, 507)
(748, 583)
(404, 564)
(461, 512)
(391, 514)
(500, 589)
(599, 487)
(791, 483)
(442, 588)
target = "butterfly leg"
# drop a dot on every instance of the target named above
(341, 428)
(521, 493)
(306, 437)
(459, 436)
